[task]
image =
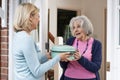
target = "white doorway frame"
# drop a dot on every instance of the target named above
(113, 46)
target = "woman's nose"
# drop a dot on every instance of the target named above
(75, 29)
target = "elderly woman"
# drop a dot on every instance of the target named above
(88, 58)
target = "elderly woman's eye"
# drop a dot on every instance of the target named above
(73, 28)
(78, 26)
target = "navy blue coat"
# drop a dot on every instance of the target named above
(94, 65)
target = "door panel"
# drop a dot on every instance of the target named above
(113, 39)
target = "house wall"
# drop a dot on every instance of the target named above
(4, 54)
(3, 51)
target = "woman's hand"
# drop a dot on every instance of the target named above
(48, 54)
(65, 56)
(77, 55)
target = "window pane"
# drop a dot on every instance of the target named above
(119, 2)
(119, 26)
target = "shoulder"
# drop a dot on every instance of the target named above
(96, 44)
(22, 38)
(70, 41)
(71, 38)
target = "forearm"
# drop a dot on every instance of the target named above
(90, 65)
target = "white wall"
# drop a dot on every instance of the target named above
(94, 9)
(53, 16)
(69, 4)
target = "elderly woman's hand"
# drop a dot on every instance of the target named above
(65, 56)
(77, 55)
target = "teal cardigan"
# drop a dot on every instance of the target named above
(93, 65)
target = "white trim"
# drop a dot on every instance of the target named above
(118, 7)
(4, 8)
(10, 60)
(1, 13)
(10, 67)
(112, 39)
(110, 31)
(43, 27)
(116, 25)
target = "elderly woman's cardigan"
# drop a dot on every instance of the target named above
(96, 58)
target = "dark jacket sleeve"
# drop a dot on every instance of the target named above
(95, 64)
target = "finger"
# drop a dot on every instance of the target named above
(77, 50)
(67, 53)
(75, 59)
(77, 54)
(68, 56)
(69, 59)
(63, 60)
(66, 61)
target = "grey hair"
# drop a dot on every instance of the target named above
(84, 22)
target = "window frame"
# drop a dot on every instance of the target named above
(117, 23)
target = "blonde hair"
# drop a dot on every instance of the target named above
(84, 22)
(22, 16)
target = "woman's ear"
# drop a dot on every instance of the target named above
(30, 18)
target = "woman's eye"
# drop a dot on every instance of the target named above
(73, 28)
(78, 26)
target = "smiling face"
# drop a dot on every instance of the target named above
(78, 31)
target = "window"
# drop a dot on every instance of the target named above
(119, 2)
(117, 22)
(119, 27)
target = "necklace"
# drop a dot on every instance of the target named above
(85, 47)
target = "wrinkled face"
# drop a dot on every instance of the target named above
(78, 31)
(35, 21)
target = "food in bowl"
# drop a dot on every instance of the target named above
(57, 49)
